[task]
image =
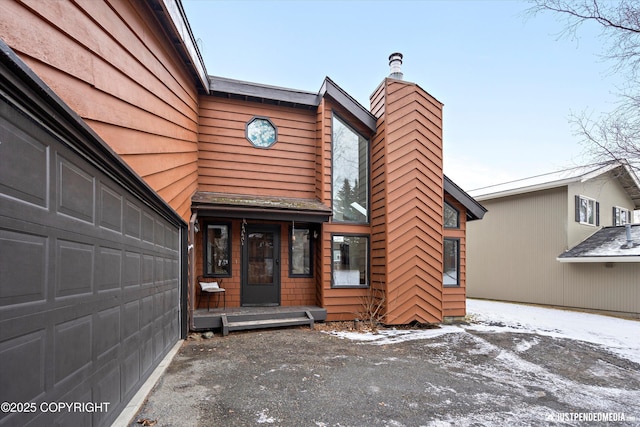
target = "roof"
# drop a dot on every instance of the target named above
(474, 209)
(266, 94)
(608, 244)
(260, 207)
(626, 177)
(173, 19)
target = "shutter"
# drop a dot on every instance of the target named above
(629, 217)
(615, 219)
(597, 214)
(577, 208)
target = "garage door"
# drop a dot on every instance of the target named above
(90, 268)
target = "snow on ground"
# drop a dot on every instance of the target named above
(620, 336)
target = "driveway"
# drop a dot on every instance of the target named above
(454, 375)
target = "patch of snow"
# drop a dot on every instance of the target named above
(264, 418)
(525, 345)
(393, 336)
(620, 336)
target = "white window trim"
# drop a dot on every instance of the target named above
(595, 220)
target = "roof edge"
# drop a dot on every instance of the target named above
(593, 259)
(476, 210)
(329, 87)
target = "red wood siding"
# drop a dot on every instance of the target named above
(455, 298)
(112, 63)
(229, 163)
(414, 203)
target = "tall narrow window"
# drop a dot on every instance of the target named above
(451, 276)
(301, 259)
(350, 261)
(350, 172)
(217, 244)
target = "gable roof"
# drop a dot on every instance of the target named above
(474, 209)
(608, 244)
(625, 175)
(274, 95)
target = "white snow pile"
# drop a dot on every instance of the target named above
(620, 336)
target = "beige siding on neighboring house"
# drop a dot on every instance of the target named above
(613, 287)
(607, 191)
(511, 253)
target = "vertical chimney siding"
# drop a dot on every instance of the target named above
(408, 186)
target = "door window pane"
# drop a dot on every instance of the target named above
(261, 258)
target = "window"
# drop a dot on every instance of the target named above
(300, 253)
(350, 167)
(621, 216)
(350, 261)
(217, 253)
(451, 262)
(587, 211)
(451, 216)
(261, 132)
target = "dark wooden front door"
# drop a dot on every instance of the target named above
(261, 265)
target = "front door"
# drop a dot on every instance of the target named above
(261, 265)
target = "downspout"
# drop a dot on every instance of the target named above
(192, 268)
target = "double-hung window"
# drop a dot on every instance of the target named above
(621, 216)
(587, 211)
(301, 256)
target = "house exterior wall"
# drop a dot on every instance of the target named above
(608, 192)
(454, 298)
(112, 64)
(512, 252)
(229, 163)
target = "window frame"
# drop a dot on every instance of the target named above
(345, 123)
(367, 285)
(311, 252)
(444, 216)
(457, 250)
(617, 210)
(205, 246)
(596, 210)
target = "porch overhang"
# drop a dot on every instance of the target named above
(259, 207)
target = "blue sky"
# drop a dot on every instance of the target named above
(508, 82)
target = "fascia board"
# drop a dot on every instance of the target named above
(600, 259)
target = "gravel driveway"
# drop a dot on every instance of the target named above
(302, 377)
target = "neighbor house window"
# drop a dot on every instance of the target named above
(451, 216)
(300, 253)
(621, 216)
(587, 211)
(217, 253)
(350, 171)
(350, 261)
(451, 262)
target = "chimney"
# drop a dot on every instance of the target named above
(629, 239)
(395, 63)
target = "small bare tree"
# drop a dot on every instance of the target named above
(613, 135)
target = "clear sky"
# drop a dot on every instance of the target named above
(508, 82)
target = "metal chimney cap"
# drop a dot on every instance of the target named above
(395, 63)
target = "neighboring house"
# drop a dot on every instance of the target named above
(127, 171)
(560, 239)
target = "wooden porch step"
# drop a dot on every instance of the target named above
(229, 323)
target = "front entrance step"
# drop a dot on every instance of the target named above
(276, 320)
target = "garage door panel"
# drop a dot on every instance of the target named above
(17, 149)
(74, 266)
(23, 260)
(76, 191)
(73, 335)
(110, 209)
(25, 354)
